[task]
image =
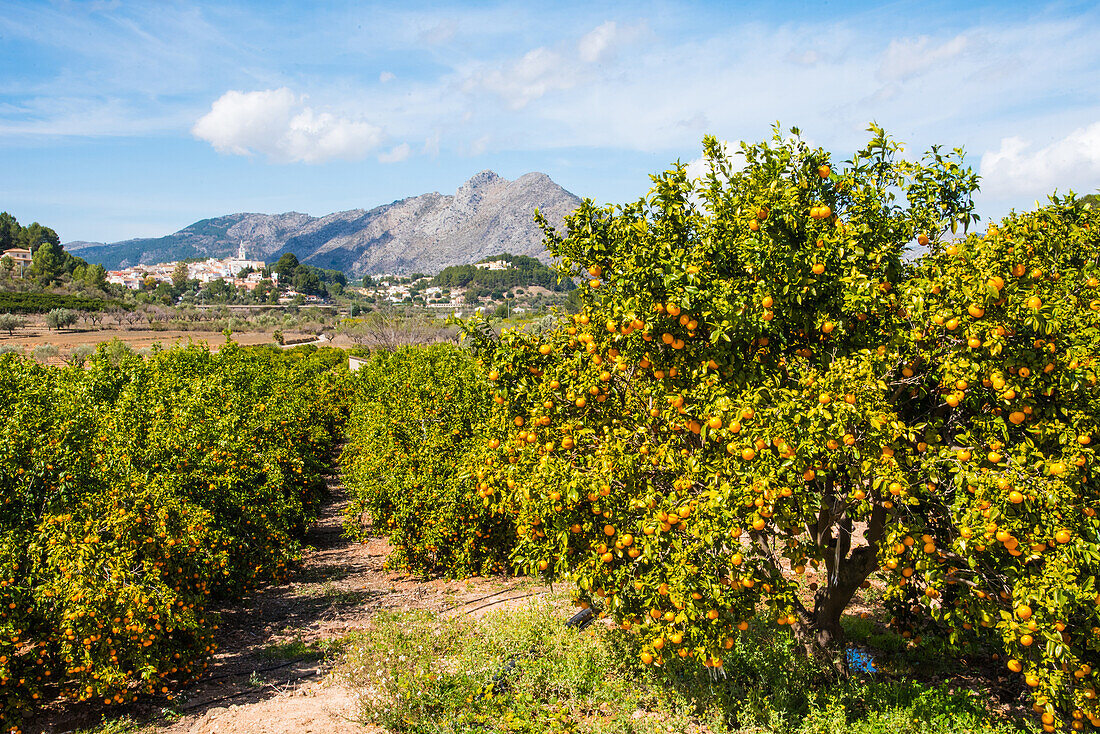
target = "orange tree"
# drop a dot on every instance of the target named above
(135, 491)
(763, 402)
(415, 426)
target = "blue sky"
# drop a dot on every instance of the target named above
(123, 119)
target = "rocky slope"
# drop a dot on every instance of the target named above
(486, 216)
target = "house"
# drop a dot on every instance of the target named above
(21, 256)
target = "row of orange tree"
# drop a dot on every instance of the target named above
(414, 438)
(795, 373)
(135, 492)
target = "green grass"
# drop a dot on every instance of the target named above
(419, 673)
(121, 725)
(291, 650)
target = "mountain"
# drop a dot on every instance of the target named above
(486, 216)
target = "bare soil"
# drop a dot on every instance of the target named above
(270, 674)
(29, 337)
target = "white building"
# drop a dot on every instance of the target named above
(492, 265)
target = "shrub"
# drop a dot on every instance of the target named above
(45, 352)
(418, 417)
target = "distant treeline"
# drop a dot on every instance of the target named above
(30, 302)
(524, 271)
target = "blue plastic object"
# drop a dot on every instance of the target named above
(860, 660)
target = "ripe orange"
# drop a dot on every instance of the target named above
(818, 268)
(823, 171)
(1063, 536)
(922, 240)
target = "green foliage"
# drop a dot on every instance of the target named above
(50, 261)
(135, 492)
(10, 322)
(763, 402)
(522, 271)
(61, 318)
(306, 278)
(37, 302)
(414, 430)
(422, 673)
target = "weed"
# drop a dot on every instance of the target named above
(523, 670)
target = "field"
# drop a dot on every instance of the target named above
(774, 476)
(27, 339)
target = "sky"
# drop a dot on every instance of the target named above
(123, 119)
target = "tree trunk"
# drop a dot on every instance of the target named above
(819, 631)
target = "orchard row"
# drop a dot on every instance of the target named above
(137, 493)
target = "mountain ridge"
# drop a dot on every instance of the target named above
(485, 216)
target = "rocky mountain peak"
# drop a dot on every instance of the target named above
(486, 216)
(483, 178)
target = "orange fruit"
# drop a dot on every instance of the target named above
(823, 171)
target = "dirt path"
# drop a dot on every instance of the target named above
(270, 674)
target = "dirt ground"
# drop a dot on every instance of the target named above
(29, 337)
(269, 676)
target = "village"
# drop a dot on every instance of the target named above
(245, 274)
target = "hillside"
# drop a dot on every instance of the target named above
(486, 216)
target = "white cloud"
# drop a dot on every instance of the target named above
(479, 146)
(906, 58)
(539, 71)
(805, 58)
(396, 155)
(431, 144)
(386, 77)
(1019, 168)
(594, 44)
(276, 123)
(543, 70)
(440, 32)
